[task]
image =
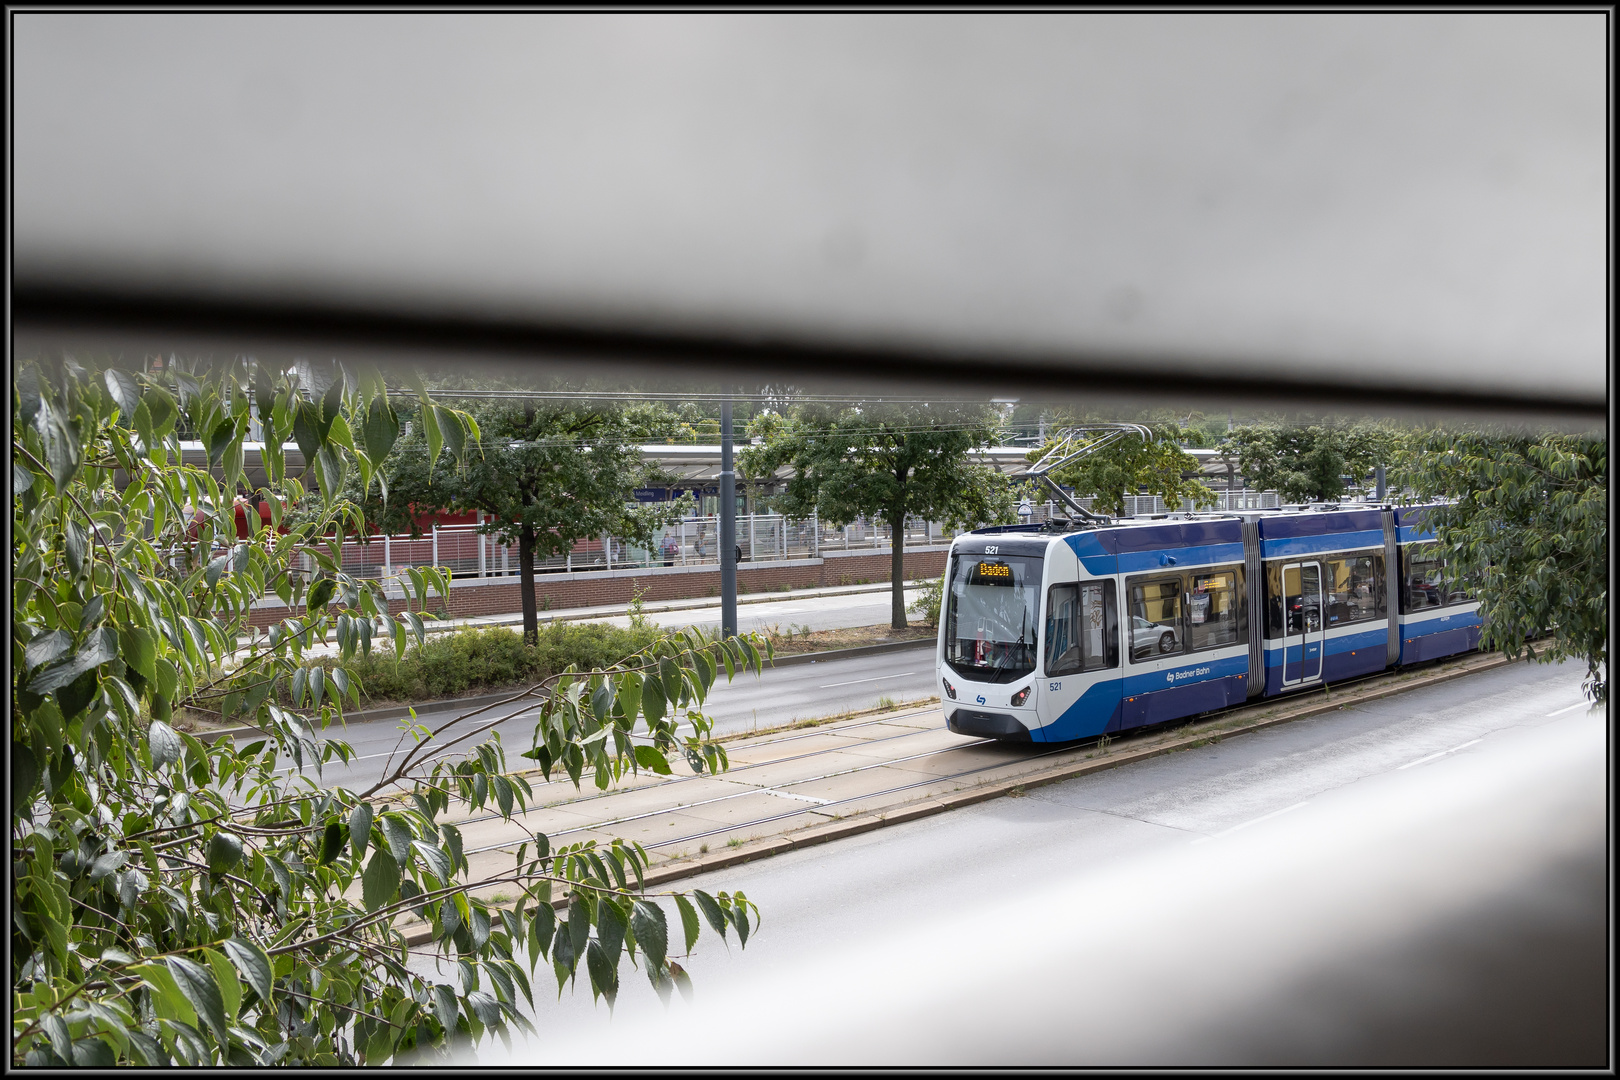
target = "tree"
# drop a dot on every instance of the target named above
(191, 902)
(545, 473)
(1128, 466)
(885, 461)
(1525, 523)
(1307, 463)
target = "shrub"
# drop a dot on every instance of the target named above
(926, 606)
(463, 661)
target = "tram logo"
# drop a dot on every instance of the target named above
(1173, 677)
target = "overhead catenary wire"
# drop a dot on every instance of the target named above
(692, 396)
(520, 444)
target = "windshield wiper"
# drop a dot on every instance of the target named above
(995, 672)
(1007, 648)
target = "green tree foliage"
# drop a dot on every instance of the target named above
(886, 462)
(176, 901)
(1129, 466)
(1307, 462)
(1526, 524)
(545, 473)
(697, 423)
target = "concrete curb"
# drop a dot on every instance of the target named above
(863, 823)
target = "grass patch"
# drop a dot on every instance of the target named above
(818, 721)
(802, 639)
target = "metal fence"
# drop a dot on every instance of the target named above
(695, 541)
(1146, 505)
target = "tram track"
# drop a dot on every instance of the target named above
(793, 813)
(822, 808)
(1078, 745)
(819, 731)
(729, 772)
(679, 807)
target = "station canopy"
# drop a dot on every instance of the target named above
(1359, 210)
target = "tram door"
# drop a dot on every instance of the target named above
(1303, 625)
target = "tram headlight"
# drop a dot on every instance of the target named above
(950, 691)
(1022, 695)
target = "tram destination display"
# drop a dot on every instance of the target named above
(990, 572)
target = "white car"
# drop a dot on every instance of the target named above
(1147, 637)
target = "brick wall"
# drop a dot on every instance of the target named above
(500, 596)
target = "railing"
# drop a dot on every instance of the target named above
(1146, 505)
(695, 541)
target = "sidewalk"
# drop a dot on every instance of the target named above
(609, 611)
(797, 787)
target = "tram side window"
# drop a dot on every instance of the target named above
(1154, 621)
(1355, 588)
(1082, 628)
(1215, 610)
(1427, 583)
(1274, 600)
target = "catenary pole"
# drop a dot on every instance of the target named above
(728, 527)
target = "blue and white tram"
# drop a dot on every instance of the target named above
(1050, 636)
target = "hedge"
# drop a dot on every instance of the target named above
(459, 662)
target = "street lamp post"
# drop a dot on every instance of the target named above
(728, 527)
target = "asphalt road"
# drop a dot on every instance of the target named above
(1419, 880)
(779, 695)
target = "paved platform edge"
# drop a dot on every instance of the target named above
(863, 823)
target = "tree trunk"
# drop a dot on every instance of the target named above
(531, 617)
(897, 570)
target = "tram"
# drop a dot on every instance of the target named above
(1051, 634)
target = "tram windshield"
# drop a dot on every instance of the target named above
(992, 610)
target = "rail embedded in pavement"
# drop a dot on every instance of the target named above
(852, 776)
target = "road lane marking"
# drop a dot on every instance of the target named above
(401, 751)
(1254, 821)
(852, 682)
(1570, 708)
(795, 795)
(1432, 757)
